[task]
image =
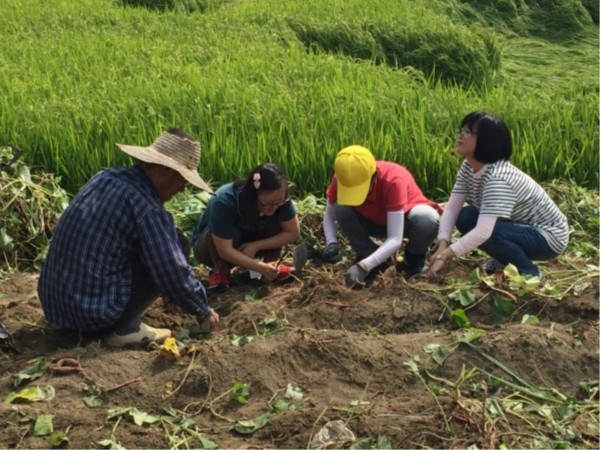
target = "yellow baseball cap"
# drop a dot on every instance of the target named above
(354, 166)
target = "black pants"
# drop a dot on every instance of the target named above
(144, 293)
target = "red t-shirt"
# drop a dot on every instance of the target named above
(395, 189)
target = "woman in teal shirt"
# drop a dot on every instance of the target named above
(246, 224)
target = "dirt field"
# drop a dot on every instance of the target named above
(344, 355)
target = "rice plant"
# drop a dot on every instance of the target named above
(242, 76)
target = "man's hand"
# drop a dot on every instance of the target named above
(209, 323)
(355, 276)
(331, 254)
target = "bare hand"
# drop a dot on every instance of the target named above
(269, 271)
(209, 323)
(442, 245)
(435, 269)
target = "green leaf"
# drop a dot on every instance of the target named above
(530, 319)
(502, 309)
(471, 335)
(112, 413)
(140, 418)
(382, 442)
(43, 425)
(34, 370)
(464, 296)
(6, 242)
(281, 406)
(93, 397)
(240, 392)
(565, 410)
(494, 408)
(240, 341)
(413, 367)
(460, 319)
(208, 443)
(58, 440)
(109, 443)
(438, 352)
(31, 394)
(253, 295)
(591, 386)
(25, 173)
(250, 426)
(511, 271)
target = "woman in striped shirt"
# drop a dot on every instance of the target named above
(509, 215)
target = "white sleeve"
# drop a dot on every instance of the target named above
(450, 214)
(477, 236)
(393, 241)
(329, 224)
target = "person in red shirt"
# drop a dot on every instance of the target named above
(377, 199)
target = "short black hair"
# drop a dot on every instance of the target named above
(493, 137)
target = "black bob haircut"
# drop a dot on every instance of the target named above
(493, 137)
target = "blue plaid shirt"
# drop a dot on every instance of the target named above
(116, 219)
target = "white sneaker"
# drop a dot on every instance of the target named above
(146, 333)
(492, 266)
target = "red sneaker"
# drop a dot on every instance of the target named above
(218, 278)
(285, 272)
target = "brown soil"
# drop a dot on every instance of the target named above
(345, 350)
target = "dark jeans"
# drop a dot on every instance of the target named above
(420, 227)
(510, 242)
(144, 293)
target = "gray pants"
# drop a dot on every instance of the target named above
(420, 227)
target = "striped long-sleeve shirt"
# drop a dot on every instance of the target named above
(115, 220)
(502, 190)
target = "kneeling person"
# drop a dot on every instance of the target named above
(116, 249)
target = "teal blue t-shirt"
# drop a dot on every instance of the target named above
(226, 211)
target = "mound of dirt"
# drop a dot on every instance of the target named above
(388, 361)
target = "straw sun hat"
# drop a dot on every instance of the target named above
(178, 153)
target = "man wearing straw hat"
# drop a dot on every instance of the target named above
(116, 249)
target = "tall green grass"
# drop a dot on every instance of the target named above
(78, 77)
(549, 19)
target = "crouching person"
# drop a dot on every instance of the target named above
(509, 215)
(246, 224)
(115, 249)
(377, 199)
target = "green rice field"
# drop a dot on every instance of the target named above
(295, 81)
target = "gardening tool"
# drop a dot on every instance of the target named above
(300, 257)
